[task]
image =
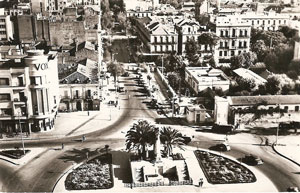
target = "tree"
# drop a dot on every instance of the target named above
(261, 50)
(271, 60)
(208, 39)
(270, 38)
(115, 69)
(139, 136)
(174, 80)
(245, 84)
(272, 86)
(191, 48)
(170, 137)
(286, 89)
(244, 60)
(288, 32)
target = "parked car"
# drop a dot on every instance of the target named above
(292, 189)
(186, 139)
(222, 128)
(125, 74)
(223, 147)
(252, 160)
(111, 103)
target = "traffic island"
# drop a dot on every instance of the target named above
(14, 153)
(221, 170)
(94, 174)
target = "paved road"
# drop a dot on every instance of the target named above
(282, 172)
(41, 173)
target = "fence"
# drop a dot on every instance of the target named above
(166, 82)
(152, 184)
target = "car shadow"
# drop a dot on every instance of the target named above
(78, 155)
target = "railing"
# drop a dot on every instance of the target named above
(153, 184)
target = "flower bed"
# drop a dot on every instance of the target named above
(95, 174)
(14, 154)
(220, 170)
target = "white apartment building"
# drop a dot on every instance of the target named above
(234, 34)
(29, 92)
(6, 27)
(158, 34)
(269, 21)
(201, 78)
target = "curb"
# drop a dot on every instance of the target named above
(9, 161)
(274, 149)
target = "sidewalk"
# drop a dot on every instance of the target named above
(34, 152)
(289, 147)
(82, 122)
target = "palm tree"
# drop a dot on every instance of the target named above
(139, 136)
(171, 137)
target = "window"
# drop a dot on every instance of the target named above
(226, 44)
(279, 21)
(225, 53)
(252, 22)
(263, 22)
(6, 112)
(240, 44)
(297, 108)
(269, 21)
(257, 21)
(246, 33)
(5, 97)
(274, 22)
(76, 94)
(227, 33)
(35, 80)
(155, 39)
(221, 44)
(232, 53)
(286, 108)
(4, 81)
(20, 81)
(284, 21)
(245, 44)
(241, 33)
(233, 32)
(233, 43)
(222, 33)
(240, 52)
(89, 93)
(220, 53)
(271, 108)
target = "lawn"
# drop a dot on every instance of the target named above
(95, 174)
(14, 154)
(221, 170)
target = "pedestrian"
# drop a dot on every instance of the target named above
(87, 155)
(201, 182)
(267, 142)
(83, 138)
(88, 113)
(62, 146)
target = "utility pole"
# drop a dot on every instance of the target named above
(162, 64)
(19, 115)
(100, 67)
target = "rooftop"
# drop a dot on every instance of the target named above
(206, 74)
(248, 74)
(267, 99)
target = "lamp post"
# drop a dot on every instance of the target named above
(277, 130)
(19, 116)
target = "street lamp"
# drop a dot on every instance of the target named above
(277, 130)
(19, 116)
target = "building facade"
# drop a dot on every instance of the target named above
(201, 78)
(269, 21)
(242, 110)
(234, 38)
(6, 28)
(29, 93)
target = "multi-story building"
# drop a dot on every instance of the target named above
(158, 34)
(6, 27)
(29, 93)
(201, 78)
(234, 38)
(269, 21)
(79, 88)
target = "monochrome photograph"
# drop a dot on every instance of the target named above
(149, 96)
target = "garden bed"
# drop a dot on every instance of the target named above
(221, 170)
(95, 174)
(14, 154)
